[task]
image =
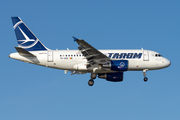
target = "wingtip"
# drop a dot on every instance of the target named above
(75, 38)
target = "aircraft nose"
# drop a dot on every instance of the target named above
(167, 62)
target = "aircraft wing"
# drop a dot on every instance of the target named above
(92, 55)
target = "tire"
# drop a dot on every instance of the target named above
(91, 82)
(145, 79)
(93, 75)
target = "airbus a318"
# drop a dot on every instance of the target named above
(105, 64)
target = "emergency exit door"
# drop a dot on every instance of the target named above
(145, 55)
(50, 56)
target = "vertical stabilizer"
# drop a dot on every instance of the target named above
(25, 37)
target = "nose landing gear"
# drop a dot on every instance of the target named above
(91, 81)
(145, 79)
(144, 74)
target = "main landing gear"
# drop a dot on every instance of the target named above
(91, 81)
(144, 74)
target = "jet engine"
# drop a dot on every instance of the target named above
(113, 77)
(117, 65)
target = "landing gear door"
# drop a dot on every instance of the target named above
(50, 56)
(145, 55)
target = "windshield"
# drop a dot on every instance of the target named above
(158, 55)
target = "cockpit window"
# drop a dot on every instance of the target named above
(158, 55)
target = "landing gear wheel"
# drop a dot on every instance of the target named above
(91, 82)
(93, 75)
(145, 79)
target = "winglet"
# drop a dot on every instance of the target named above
(75, 38)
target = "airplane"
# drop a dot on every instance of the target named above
(106, 64)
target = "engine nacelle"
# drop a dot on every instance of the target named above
(113, 77)
(117, 65)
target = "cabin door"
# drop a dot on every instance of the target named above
(145, 55)
(50, 56)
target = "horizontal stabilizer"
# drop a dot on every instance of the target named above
(24, 52)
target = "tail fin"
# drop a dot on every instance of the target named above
(25, 38)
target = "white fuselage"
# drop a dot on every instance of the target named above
(73, 60)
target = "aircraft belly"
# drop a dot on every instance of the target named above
(68, 64)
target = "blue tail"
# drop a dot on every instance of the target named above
(25, 38)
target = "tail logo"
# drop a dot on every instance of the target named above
(122, 64)
(25, 37)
